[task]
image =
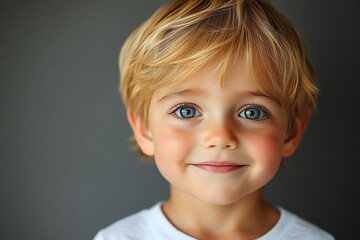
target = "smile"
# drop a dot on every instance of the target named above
(218, 166)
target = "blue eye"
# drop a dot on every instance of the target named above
(253, 113)
(187, 112)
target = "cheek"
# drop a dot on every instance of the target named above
(266, 149)
(171, 147)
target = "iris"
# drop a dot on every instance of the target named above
(187, 112)
(252, 113)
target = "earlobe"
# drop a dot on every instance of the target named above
(296, 133)
(141, 132)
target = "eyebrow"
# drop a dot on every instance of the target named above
(198, 91)
(182, 93)
(260, 94)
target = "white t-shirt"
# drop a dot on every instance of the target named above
(151, 224)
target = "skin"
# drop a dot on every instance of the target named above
(209, 202)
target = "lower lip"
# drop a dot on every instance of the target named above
(219, 168)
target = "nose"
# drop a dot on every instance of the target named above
(220, 136)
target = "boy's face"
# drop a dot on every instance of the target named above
(217, 143)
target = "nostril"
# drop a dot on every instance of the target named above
(219, 138)
(226, 146)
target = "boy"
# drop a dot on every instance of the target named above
(217, 91)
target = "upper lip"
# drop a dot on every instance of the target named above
(219, 163)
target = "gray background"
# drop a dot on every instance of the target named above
(65, 166)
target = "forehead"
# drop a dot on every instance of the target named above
(215, 76)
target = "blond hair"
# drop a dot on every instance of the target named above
(185, 35)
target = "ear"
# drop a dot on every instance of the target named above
(295, 134)
(141, 132)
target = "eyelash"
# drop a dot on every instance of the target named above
(267, 113)
(183, 105)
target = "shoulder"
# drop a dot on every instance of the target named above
(148, 224)
(303, 229)
(136, 226)
(294, 227)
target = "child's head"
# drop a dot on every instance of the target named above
(183, 37)
(218, 92)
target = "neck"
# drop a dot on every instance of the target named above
(247, 218)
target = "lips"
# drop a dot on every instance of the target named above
(218, 166)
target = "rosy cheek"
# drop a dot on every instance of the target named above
(266, 149)
(172, 146)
